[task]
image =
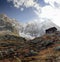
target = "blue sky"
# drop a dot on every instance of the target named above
(23, 16)
(32, 10)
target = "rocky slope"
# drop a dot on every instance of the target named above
(8, 25)
(45, 48)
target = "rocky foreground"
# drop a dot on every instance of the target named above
(41, 49)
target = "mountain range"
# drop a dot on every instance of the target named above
(26, 42)
(35, 29)
(28, 30)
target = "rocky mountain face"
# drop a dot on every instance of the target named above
(7, 25)
(28, 30)
(36, 29)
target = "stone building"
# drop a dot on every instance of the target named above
(51, 30)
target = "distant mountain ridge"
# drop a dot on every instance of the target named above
(36, 29)
(28, 30)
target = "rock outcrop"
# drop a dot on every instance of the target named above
(7, 25)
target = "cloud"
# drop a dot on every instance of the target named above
(26, 36)
(25, 3)
(50, 11)
(52, 2)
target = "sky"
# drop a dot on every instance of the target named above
(7, 7)
(32, 10)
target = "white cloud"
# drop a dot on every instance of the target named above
(25, 3)
(51, 11)
(29, 3)
(52, 2)
(26, 36)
